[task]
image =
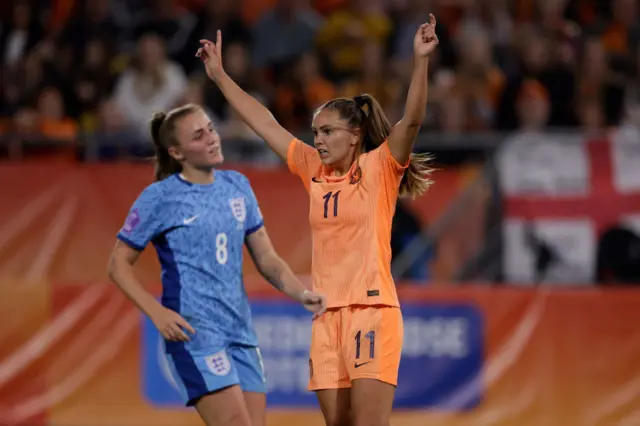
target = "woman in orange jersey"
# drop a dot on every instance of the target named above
(353, 176)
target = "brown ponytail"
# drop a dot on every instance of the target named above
(163, 133)
(365, 112)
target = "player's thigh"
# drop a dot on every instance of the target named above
(373, 358)
(200, 373)
(371, 402)
(335, 406)
(326, 364)
(225, 407)
(257, 407)
(372, 343)
(250, 369)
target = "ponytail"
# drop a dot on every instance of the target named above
(374, 123)
(417, 178)
(365, 112)
(162, 127)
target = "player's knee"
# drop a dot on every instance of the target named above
(231, 418)
(232, 415)
(338, 420)
(366, 419)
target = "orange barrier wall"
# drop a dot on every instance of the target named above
(59, 221)
(72, 357)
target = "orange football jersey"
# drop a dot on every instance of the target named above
(350, 218)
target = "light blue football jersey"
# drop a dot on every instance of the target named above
(198, 232)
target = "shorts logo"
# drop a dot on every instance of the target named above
(131, 222)
(218, 363)
(165, 369)
(261, 362)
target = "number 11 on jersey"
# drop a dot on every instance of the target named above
(327, 197)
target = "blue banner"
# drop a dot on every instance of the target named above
(441, 365)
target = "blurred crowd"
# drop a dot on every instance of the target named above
(96, 70)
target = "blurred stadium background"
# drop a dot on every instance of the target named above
(517, 271)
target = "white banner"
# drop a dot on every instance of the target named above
(625, 155)
(536, 164)
(549, 250)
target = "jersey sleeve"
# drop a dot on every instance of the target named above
(254, 216)
(142, 222)
(391, 168)
(302, 161)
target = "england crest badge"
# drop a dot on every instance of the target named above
(239, 210)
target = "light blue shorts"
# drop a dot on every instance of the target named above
(200, 373)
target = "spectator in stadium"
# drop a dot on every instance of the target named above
(283, 33)
(20, 32)
(622, 32)
(533, 107)
(602, 79)
(409, 19)
(47, 119)
(225, 15)
(301, 92)
(90, 20)
(177, 25)
(94, 81)
(632, 93)
(478, 80)
(375, 78)
(452, 112)
(53, 121)
(112, 138)
(592, 119)
(535, 61)
(238, 59)
(152, 83)
(348, 30)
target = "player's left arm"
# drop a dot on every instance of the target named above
(404, 133)
(271, 266)
(276, 271)
(269, 263)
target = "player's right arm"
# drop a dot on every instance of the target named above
(252, 112)
(141, 225)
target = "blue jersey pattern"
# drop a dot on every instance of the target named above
(198, 232)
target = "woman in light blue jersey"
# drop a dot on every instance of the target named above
(198, 220)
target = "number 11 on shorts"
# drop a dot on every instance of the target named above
(371, 337)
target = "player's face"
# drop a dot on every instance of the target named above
(199, 142)
(334, 138)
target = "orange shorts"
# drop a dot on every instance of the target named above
(355, 342)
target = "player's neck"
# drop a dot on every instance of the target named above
(342, 168)
(200, 177)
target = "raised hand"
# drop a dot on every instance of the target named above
(426, 39)
(211, 55)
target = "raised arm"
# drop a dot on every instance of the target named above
(277, 272)
(252, 112)
(404, 133)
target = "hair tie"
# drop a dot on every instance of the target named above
(362, 103)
